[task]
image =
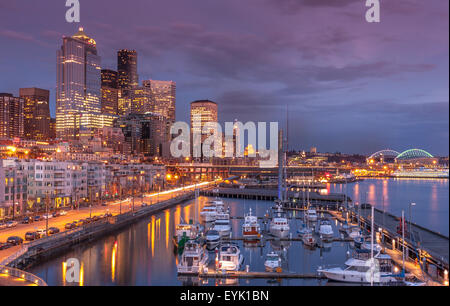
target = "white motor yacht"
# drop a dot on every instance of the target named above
(273, 262)
(193, 259)
(279, 225)
(354, 232)
(209, 213)
(311, 215)
(230, 257)
(223, 227)
(358, 270)
(212, 238)
(326, 230)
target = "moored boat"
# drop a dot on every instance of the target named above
(251, 227)
(326, 230)
(193, 260)
(273, 262)
(212, 239)
(230, 257)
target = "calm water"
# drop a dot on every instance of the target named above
(431, 197)
(143, 253)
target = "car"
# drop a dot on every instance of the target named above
(88, 220)
(30, 236)
(42, 232)
(63, 213)
(47, 216)
(27, 220)
(144, 205)
(10, 224)
(14, 240)
(95, 218)
(53, 230)
(108, 215)
(4, 245)
(2, 225)
(55, 214)
(70, 225)
(78, 223)
(104, 204)
(37, 218)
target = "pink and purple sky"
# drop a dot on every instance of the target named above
(351, 86)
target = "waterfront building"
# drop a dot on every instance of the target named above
(36, 113)
(13, 186)
(31, 184)
(78, 86)
(11, 116)
(110, 92)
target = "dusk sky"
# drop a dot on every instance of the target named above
(351, 86)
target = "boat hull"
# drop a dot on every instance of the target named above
(279, 232)
(356, 277)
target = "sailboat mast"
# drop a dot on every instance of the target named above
(371, 246)
(403, 240)
(280, 165)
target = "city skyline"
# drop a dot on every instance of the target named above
(387, 88)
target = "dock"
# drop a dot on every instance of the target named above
(244, 274)
(426, 251)
(330, 201)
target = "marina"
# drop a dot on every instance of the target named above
(299, 262)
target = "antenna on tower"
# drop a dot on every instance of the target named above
(287, 127)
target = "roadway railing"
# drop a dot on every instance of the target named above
(29, 277)
(14, 256)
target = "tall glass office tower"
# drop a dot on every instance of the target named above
(78, 86)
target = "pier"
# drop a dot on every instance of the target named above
(427, 250)
(329, 201)
(244, 274)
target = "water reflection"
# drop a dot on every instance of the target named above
(430, 195)
(124, 259)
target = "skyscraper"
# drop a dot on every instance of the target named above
(78, 87)
(202, 111)
(145, 133)
(141, 100)
(11, 116)
(127, 70)
(164, 96)
(36, 112)
(110, 92)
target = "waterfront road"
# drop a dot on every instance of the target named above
(114, 207)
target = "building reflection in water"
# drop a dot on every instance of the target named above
(113, 262)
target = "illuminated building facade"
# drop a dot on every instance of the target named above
(78, 86)
(164, 95)
(36, 112)
(142, 100)
(11, 116)
(202, 111)
(52, 128)
(127, 70)
(145, 134)
(110, 92)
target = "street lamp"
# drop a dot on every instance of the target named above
(410, 229)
